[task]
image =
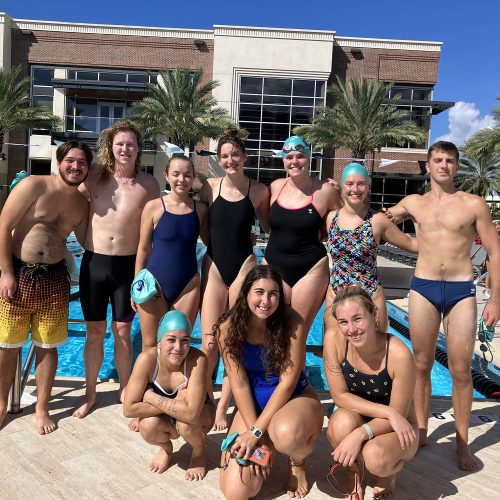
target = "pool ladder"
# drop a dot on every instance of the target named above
(22, 373)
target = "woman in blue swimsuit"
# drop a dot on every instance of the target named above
(262, 342)
(170, 227)
(354, 233)
(298, 205)
(371, 376)
(167, 392)
(234, 202)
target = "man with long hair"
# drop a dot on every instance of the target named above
(117, 191)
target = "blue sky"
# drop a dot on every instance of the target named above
(469, 71)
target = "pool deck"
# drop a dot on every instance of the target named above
(98, 457)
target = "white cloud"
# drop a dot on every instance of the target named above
(464, 121)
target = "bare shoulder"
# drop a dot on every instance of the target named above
(473, 200)
(296, 321)
(276, 185)
(201, 208)
(146, 361)
(258, 188)
(399, 354)
(196, 356)
(147, 181)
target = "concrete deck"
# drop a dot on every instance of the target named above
(98, 457)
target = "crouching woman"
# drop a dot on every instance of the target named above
(167, 391)
(262, 342)
(371, 376)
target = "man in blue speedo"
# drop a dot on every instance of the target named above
(446, 222)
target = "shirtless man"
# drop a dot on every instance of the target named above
(34, 284)
(117, 191)
(446, 222)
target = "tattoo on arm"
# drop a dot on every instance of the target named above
(166, 405)
(332, 366)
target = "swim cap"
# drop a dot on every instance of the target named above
(173, 320)
(354, 169)
(295, 143)
(19, 177)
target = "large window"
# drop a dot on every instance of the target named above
(416, 102)
(42, 92)
(87, 115)
(269, 108)
(111, 76)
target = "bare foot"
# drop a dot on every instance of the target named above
(133, 425)
(86, 407)
(220, 418)
(384, 487)
(422, 437)
(44, 424)
(161, 460)
(197, 469)
(465, 459)
(296, 485)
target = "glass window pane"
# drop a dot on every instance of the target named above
(118, 112)
(404, 93)
(251, 85)
(42, 100)
(303, 101)
(69, 122)
(276, 114)
(302, 115)
(253, 129)
(320, 88)
(72, 74)
(86, 107)
(252, 144)
(251, 98)
(272, 144)
(43, 91)
(277, 86)
(85, 123)
(250, 112)
(303, 87)
(276, 99)
(86, 75)
(421, 94)
(138, 78)
(43, 76)
(112, 77)
(275, 131)
(320, 102)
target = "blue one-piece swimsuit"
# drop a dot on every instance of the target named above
(173, 258)
(262, 384)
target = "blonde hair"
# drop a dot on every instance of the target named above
(105, 148)
(356, 294)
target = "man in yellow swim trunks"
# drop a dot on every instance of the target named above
(34, 284)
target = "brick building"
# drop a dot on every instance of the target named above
(270, 81)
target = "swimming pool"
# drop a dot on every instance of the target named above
(71, 353)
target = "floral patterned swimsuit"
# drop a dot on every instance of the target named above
(354, 256)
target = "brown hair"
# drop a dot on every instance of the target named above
(63, 150)
(181, 157)
(447, 147)
(238, 319)
(231, 136)
(105, 146)
(356, 294)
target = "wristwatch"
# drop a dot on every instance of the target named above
(256, 432)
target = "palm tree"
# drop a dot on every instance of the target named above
(479, 175)
(362, 119)
(485, 141)
(181, 108)
(15, 109)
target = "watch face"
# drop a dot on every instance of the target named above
(256, 432)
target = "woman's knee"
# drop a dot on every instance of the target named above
(149, 427)
(377, 459)
(342, 422)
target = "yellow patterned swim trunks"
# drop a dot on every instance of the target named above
(40, 303)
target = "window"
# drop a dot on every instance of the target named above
(42, 92)
(269, 109)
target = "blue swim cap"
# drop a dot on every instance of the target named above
(173, 320)
(353, 169)
(19, 177)
(295, 143)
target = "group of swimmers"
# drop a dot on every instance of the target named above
(256, 316)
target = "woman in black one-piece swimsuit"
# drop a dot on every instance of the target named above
(371, 376)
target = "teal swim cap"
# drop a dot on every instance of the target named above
(295, 143)
(353, 169)
(19, 177)
(173, 320)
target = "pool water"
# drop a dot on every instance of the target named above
(71, 353)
